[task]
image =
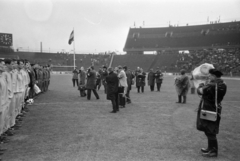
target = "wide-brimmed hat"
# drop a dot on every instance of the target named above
(215, 72)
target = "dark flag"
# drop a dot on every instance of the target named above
(71, 38)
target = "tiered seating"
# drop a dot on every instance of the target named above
(134, 61)
(152, 39)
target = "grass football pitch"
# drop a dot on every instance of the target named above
(62, 126)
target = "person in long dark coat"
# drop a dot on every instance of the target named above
(112, 89)
(141, 80)
(208, 92)
(151, 79)
(75, 77)
(182, 86)
(130, 78)
(91, 83)
(158, 78)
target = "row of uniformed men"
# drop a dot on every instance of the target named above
(19, 81)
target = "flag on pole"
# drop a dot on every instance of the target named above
(71, 38)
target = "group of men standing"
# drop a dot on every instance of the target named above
(119, 83)
(19, 82)
(155, 77)
(116, 82)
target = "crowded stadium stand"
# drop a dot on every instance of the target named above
(215, 43)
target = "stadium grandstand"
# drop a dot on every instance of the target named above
(174, 47)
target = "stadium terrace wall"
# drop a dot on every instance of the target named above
(182, 38)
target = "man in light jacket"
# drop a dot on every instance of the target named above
(122, 79)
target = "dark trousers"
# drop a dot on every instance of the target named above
(114, 101)
(212, 141)
(82, 92)
(152, 88)
(89, 93)
(158, 86)
(140, 87)
(98, 86)
(105, 87)
(75, 81)
(128, 95)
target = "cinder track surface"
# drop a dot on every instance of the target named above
(61, 126)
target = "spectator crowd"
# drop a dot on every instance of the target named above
(226, 60)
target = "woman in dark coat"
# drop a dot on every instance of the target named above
(112, 89)
(151, 79)
(91, 83)
(211, 128)
(141, 76)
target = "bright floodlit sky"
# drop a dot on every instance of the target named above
(101, 25)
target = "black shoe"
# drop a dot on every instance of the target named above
(113, 112)
(205, 150)
(211, 153)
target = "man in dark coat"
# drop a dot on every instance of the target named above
(91, 83)
(130, 78)
(151, 79)
(141, 76)
(112, 89)
(158, 78)
(216, 87)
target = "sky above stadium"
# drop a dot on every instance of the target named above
(101, 25)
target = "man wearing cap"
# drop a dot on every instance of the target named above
(112, 89)
(208, 93)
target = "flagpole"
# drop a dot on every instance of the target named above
(74, 65)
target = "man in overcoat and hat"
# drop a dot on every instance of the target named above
(112, 89)
(151, 79)
(91, 83)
